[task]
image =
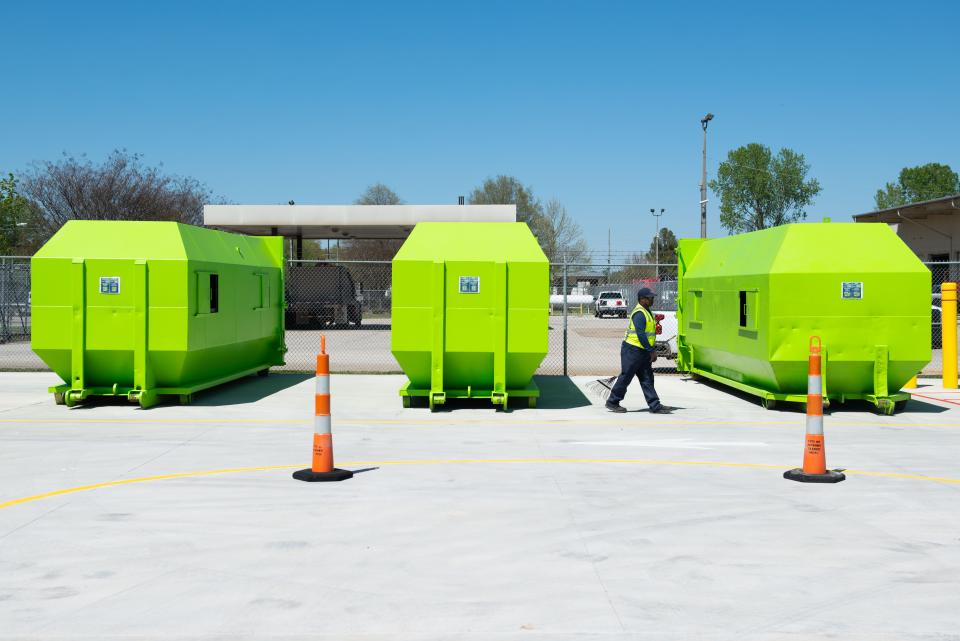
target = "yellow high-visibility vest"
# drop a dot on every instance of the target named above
(650, 330)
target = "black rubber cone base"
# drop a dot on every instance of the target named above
(797, 474)
(310, 476)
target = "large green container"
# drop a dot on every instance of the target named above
(470, 311)
(748, 306)
(141, 309)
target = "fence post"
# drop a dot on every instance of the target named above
(564, 315)
(3, 301)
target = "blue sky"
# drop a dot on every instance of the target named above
(595, 103)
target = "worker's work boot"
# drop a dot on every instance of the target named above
(616, 407)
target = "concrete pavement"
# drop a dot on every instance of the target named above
(563, 522)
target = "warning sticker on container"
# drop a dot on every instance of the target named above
(109, 284)
(852, 291)
(469, 284)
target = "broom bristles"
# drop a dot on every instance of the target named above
(602, 387)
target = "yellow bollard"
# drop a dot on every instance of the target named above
(911, 384)
(948, 330)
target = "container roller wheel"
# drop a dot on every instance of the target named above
(768, 403)
(885, 406)
(147, 399)
(58, 398)
(899, 406)
(406, 401)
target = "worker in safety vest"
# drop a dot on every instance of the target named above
(637, 354)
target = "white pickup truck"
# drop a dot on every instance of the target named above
(612, 303)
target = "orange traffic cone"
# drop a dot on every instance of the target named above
(322, 468)
(814, 457)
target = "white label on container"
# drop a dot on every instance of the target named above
(852, 290)
(109, 284)
(469, 284)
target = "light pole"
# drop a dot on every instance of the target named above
(703, 180)
(656, 239)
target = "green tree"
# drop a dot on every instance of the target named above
(916, 184)
(17, 220)
(559, 235)
(668, 247)
(890, 196)
(758, 189)
(376, 194)
(507, 190)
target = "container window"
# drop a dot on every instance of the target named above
(261, 294)
(214, 293)
(748, 309)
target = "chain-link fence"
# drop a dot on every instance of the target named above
(940, 273)
(15, 353)
(350, 302)
(586, 339)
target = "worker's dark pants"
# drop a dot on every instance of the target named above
(635, 362)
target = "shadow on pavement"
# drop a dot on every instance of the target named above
(248, 390)
(559, 393)
(914, 406)
(556, 393)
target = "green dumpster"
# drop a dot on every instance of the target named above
(748, 305)
(470, 311)
(143, 309)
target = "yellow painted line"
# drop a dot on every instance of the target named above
(448, 423)
(142, 479)
(150, 421)
(162, 477)
(900, 475)
(547, 423)
(354, 421)
(577, 423)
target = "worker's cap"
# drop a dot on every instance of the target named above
(646, 292)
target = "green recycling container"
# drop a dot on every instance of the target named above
(143, 309)
(748, 306)
(470, 304)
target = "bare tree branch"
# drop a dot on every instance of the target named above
(122, 187)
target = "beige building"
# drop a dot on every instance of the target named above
(930, 228)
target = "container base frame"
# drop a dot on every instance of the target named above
(146, 398)
(885, 404)
(531, 392)
(830, 476)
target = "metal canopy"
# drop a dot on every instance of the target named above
(945, 205)
(346, 221)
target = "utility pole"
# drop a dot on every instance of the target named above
(703, 179)
(656, 239)
(608, 254)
